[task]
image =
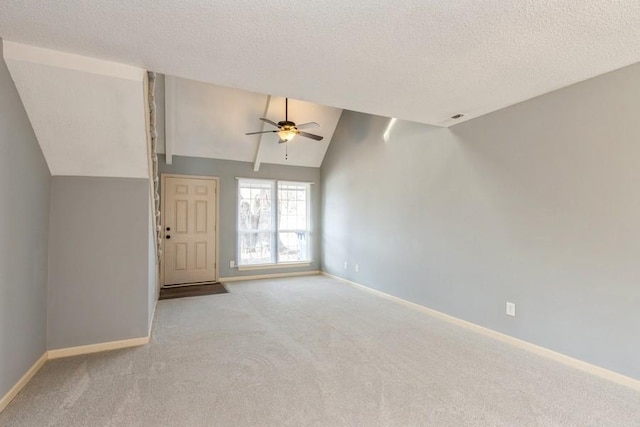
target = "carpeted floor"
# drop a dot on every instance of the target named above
(313, 351)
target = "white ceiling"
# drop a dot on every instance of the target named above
(206, 120)
(420, 60)
(88, 114)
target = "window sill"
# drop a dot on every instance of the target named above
(273, 266)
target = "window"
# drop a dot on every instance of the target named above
(256, 226)
(293, 222)
(273, 222)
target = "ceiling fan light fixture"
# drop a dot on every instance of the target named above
(286, 135)
(288, 130)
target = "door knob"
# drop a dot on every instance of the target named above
(168, 228)
(168, 237)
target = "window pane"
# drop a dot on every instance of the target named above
(293, 222)
(255, 248)
(293, 246)
(292, 206)
(256, 228)
(255, 206)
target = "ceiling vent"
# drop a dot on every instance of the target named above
(449, 121)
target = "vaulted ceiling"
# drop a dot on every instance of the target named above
(79, 68)
(421, 60)
(89, 116)
(207, 120)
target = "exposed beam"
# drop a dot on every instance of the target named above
(169, 114)
(256, 164)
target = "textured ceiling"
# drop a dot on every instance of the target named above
(211, 121)
(88, 114)
(420, 60)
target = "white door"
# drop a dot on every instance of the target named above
(189, 226)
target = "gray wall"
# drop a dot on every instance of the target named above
(538, 204)
(98, 261)
(227, 171)
(153, 284)
(24, 213)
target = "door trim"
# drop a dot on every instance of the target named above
(164, 177)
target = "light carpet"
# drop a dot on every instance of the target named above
(312, 351)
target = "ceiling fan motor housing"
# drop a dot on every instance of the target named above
(286, 124)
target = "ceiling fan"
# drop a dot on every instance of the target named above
(286, 129)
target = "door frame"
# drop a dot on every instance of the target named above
(164, 177)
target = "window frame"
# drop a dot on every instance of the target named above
(275, 229)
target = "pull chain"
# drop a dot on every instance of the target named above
(286, 150)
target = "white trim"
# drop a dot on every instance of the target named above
(274, 180)
(54, 58)
(269, 276)
(13, 392)
(272, 266)
(177, 175)
(524, 345)
(288, 181)
(255, 179)
(95, 348)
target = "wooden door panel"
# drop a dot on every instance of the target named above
(201, 217)
(181, 217)
(181, 256)
(201, 255)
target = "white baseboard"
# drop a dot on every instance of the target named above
(95, 348)
(11, 394)
(533, 348)
(269, 276)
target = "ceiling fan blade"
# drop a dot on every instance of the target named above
(308, 125)
(264, 131)
(310, 135)
(270, 122)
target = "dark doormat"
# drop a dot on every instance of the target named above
(193, 291)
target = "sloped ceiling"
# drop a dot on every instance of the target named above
(420, 60)
(88, 114)
(206, 120)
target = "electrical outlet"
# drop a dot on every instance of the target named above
(346, 265)
(232, 264)
(511, 309)
(357, 268)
